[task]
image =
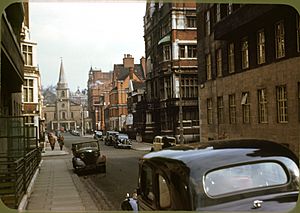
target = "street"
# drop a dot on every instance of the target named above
(97, 191)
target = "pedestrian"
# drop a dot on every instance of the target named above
(60, 140)
(52, 140)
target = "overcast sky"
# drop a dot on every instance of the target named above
(96, 34)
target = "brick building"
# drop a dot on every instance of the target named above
(170, 35)
(99, 85)
(248, 58)
(123, 74)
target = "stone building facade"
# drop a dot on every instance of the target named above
(248, 58)
(64, 114)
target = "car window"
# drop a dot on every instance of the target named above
(244, 177)
(147, 184)
(164, 193)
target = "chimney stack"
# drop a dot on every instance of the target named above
(128, 61)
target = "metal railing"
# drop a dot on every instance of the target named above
(19, 159)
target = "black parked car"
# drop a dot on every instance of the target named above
(232, 175)
(87, 157)
(122, 141)
(110, 137)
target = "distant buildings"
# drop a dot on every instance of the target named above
(65, 114)
(248, 63)
(172, 74)
(123, 75)
(99, 85)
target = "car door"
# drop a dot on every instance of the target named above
(154, 190)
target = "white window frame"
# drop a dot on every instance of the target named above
(282, 108)
(27, 54)
(167, 52)
(246, 107)
(262, 106)
(28, 90)
(220, 106)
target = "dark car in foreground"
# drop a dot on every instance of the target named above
(122, 141)
(231, 175)
(87, 157)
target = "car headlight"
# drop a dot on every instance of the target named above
(96, 154)
(81, 155)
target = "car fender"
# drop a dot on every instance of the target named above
(78, 162)
(101, 159)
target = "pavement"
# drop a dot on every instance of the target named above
(55, 187)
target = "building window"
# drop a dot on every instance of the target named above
(262, 106)
(189, 87)
(219, 62)
(282, 114)
(220, 106)
(192, 51)
(279, 40)
(209, 111)
(166, 52)
(188, 51)
(28, 90)
(245, 54)
(72, 115)
(62, 93)
(245, 107)
(232, 109)
(207, 23)
(208, 67)
(261, 55)
(298, 32)
(167, 88)
(45, 116)
(63, 115)
(218, 12)
(62, 105)
(231, 58)
(27, 54)
(191, 21)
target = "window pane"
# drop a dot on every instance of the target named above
(164, 193)
(244, 177)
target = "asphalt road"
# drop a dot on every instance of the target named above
(121, 176)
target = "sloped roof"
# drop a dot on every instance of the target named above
(124, 72)
(138, 85)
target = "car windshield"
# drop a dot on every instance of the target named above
(244, 177)
(123, 136)
(93, 144)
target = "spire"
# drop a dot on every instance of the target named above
(62, 83)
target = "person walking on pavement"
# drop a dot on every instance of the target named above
(60, 140)
(52, 140)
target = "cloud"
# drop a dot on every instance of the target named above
(85, 34)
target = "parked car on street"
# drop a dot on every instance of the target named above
(122, 141)
(161, 142)
(229, 175)
(87, 157)
(98, 135)
(110, 137)
(75, 132)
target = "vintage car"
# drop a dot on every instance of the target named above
(231, 175)
(87, 157)
(98, 135)
(110, 137)
(122, 141)
(161, 142)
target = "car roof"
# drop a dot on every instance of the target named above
(221, 153)
(81, 142)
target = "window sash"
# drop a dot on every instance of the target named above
(231, 58)
(279, 40)
(245, 54)
(282, 115)
(220, 106)
(166, 51)
(207, 22)
(219, 62)
(261, 56)
(246, 107)
(232, 109)
(262, 106)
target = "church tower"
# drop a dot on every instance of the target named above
(63, 99)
